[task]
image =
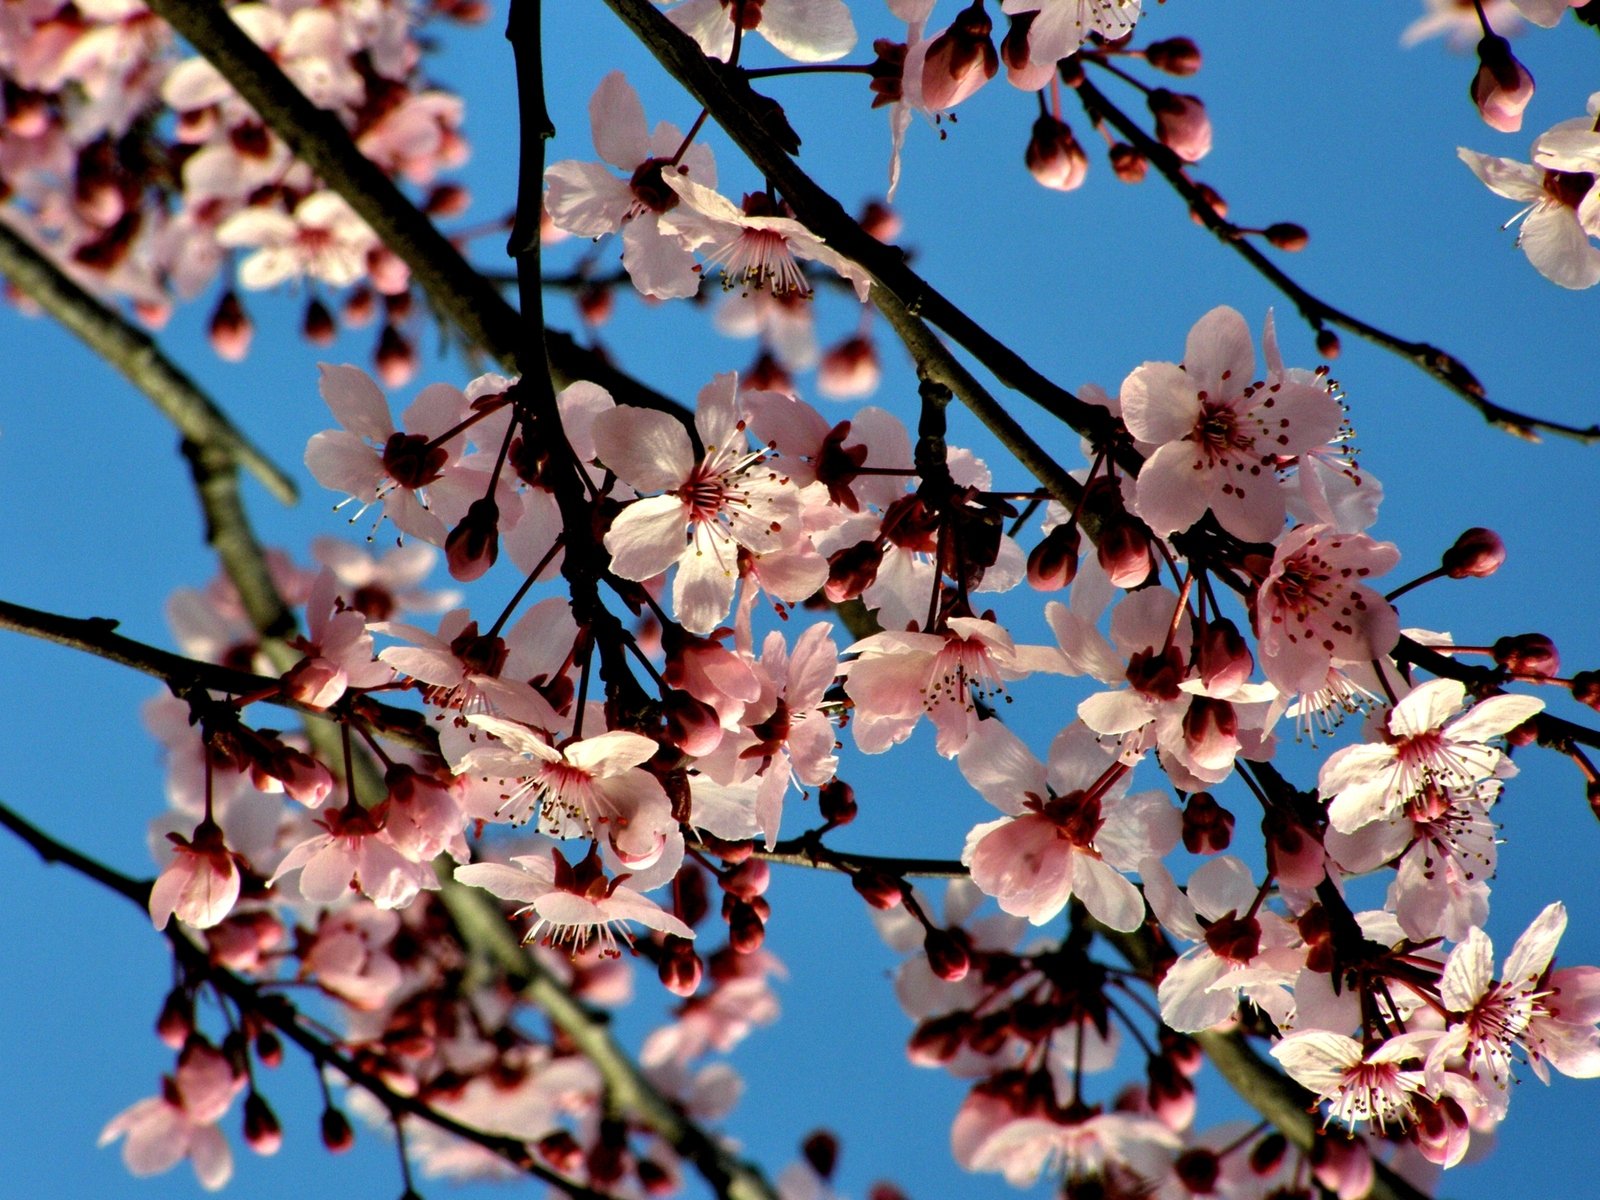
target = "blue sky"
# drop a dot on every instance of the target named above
(1324, 122)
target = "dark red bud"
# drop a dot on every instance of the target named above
(262, 1132)
(1287, 236)
(877, 889)
(1477, 553)
(1175, 56)
(337, 1135)
(1528, 654)
(821, 1150)
(836, 802)
(949, 953)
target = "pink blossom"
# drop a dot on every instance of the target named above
(201, 884)
(1064, 25)
(804, 30)
(354, 855)
(1429, 742)
(710, 505)
(571, 904)
(1313, 611)
(337, 651)
(323, 240)
(349, 957)
(182, 1121)
(1358, 1083)
(587, 788)
(586, 199)
(1218, 435)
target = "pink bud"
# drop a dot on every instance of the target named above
(836, 802)
(878, 220)
(447, 200)
(1234, 938)
(360, 306)
(849, 369)
(1181, 124)
(231, 329)
(960, 60)
(1054, 157)
(473, 545)
(1129, 165)
(1528, 654)
(877, 889)
(852, 570)
(692, 725)
(1586, 688)
(337, 1135)
(680, 968)
(949, 953)
(1294, 855)
(1342, 1165)
(746, 932)
(1286, 235)
(1172, 1099)
(395, 358)
(748, 880)
(1225, 660)
(262, 1131)
(1124, 552)
(1207, 826)
(1175, 56)
(1053, 563)
(1502, 87)
(1266, 1154)
(1477, 553)
(1328, 345)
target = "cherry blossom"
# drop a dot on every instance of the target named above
(1312, 611)
(1218, 435)
(753, 245)
(1561, 212)
(338, 652)
(570, 904)
(711, 505)
(1359, 1083)
(324, 240)
(804, 30)
(181, 1123)
(201, 884)
(354, 855)
(591, 787)
(1428, 742)
(1064, 25)
(586, 199)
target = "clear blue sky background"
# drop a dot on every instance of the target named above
(1322, 121)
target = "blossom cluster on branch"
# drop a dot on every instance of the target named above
(490, 808)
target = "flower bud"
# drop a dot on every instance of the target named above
(1198, 1170)
(949, 954)
(337, 1135)
(1224, 656)
(960, 60)
(1181, 124)
(1170, 1094)
(1175, 56)
(1207, 826)
(1210, 200)
(395, 358)
(595, 304)
(1328, 344)
(1124, 552)
(655, 1179)
(1586, 688)
(1287, 236)
(745, 929)
(230, 329)
(1478, 553)
(748, 880)
(318, 327)
(447, 200)
(360, 306)
(1266, 1154)
(472, 546)
(1129, 165)
(1234, 938)
(262, 1132)
(679, 967)
(176, 1021)
(561, 1150)
(821, 1150)
(1053, 563)
(836, 802)
(1054, 157)
(849, 369)
(1502, 87)
(877, 889)
(852, 571)
(269, 1048)
(692, 725)
(1342, 1165)
(1528, 654)
(878, 220)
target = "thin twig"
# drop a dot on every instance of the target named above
(1443, 366)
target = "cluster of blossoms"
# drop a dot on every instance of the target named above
(145, 176)
(625, 741)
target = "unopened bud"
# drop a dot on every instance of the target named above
(1053, 563)
(1210, 201)
(960, 60)
(561, 1150)
(176, 1021)
(1287, 236)
(836, 802)
(395, 358)
(852, 571)
(680, 968)
(1175, 56)
(1130, 166)
(337, 1135)
(1266, 1154)
(595, 304)
(1234, 938)
(1328, 344)
(1181, 124)
(877, 889)
(878, 220)
(1207, 826)
(1586, 688)
(230, 329)
(1528, 654)
(746, 932)
(1054, 157)
(1170, 1094)
(692, 725)
(1124, 552)
(269, 1048)
(1502, 87)
(472, 546)
(821, 1150)
(360, 306)
(1342, 1165)
(318, 327)
(1198, 1170)
(1225, 660)
(748, 880)
(850, 369)
(447, 200)
(949, 953)
(262, 1132)
(1477, 553)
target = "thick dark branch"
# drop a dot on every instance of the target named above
(749, 120)
(98, 636)
(1444, 367)
(464, 297)
(137, 358)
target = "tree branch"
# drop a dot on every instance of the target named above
(1444, 367)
